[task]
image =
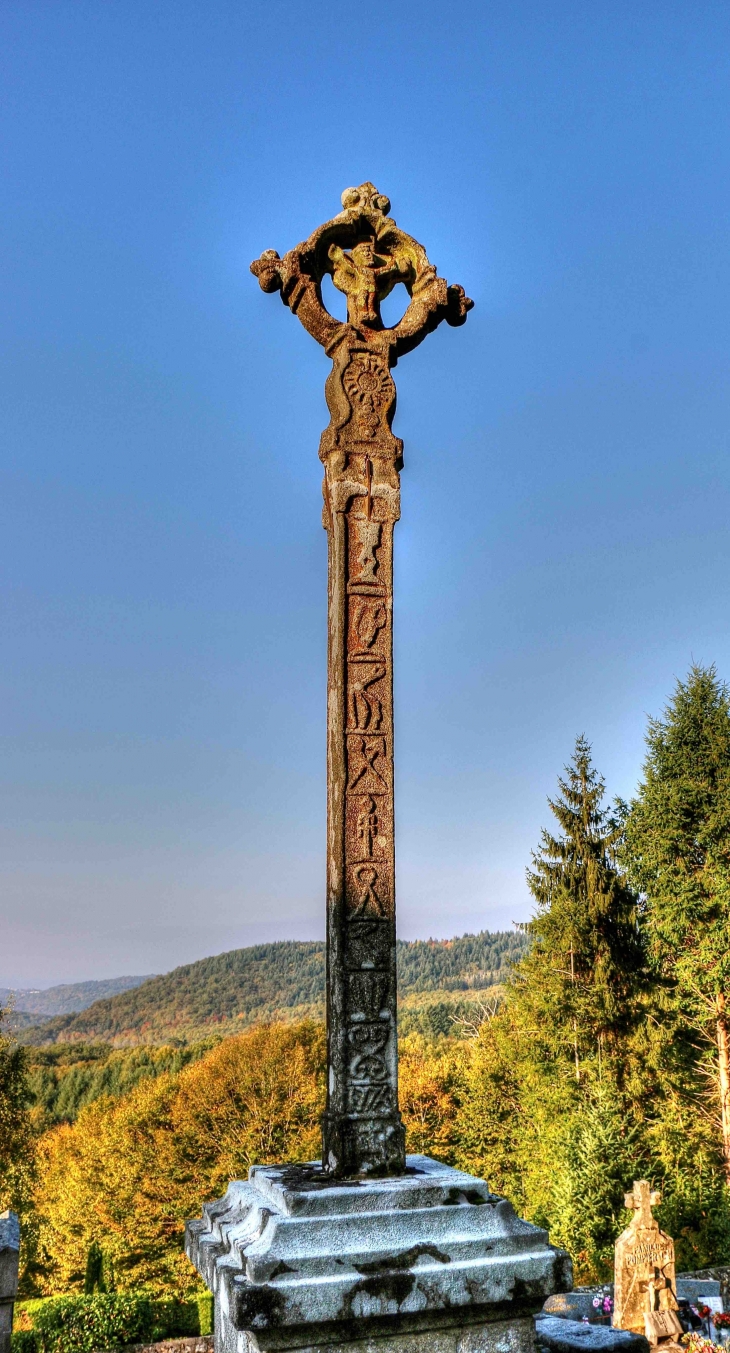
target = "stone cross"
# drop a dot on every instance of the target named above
(641, 1200)
(366, 255)
(644, 1279)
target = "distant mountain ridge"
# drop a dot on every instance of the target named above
(285, 980)
(67, 998)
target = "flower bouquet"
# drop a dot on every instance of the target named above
(695, 1342)
(603, 1306)
(721, 1321)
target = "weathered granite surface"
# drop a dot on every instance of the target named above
(572, 1336)
(571, 1305)
(292, 1248)
(366, 255)
(9, 1250)
(691, 1289)
(495, 1336)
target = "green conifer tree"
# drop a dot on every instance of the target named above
(678, 854)
(583, 972)
(17, 1154)
(94, 1280)
(18, 1158)
(600, 1155)
(548, 1097)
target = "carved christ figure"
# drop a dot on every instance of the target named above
(366, 254)
(366, 278)
(380, 255)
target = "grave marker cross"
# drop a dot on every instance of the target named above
(366, 255)
(642, 1199)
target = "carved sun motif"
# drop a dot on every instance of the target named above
(369, 389)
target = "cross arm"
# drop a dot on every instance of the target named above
(433, 302)
(366, 254)
(300, 291)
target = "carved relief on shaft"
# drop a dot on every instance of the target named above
(362, 1127)
(366, 255)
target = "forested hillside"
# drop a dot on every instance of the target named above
(65, 1078)
(603, 1059)
(472, 961)
(231, 991)
(68, 997)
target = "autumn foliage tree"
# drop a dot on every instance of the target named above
(429, 1086)
(128, 1172)
(125, 1176)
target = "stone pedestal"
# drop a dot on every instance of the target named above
(450, 1336)
(9, 1248)
(426, 1259)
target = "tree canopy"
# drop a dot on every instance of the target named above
(16, 1138)
(587, 952)
(678, 854)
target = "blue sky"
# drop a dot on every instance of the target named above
(564, 547)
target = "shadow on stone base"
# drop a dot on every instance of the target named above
(401, 1335)
(428, 1259)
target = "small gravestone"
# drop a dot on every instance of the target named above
(644, 1294)
(9, 1248)
(698, 1289)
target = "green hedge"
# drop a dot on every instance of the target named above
(204, 1302)
(104, 1321)
(23, 1341)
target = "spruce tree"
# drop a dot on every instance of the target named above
(587, 955)
(601, 1153)
(678, 854)
(548, 1094)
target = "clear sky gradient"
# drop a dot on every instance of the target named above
(564, 549)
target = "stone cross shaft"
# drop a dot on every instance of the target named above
(366, 255)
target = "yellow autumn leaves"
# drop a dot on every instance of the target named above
(130, 1171)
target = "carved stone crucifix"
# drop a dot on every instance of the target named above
(366, 255)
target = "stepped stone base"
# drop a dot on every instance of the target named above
(425, 1262)
(497, 1336)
